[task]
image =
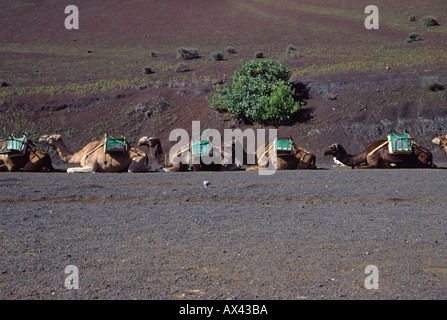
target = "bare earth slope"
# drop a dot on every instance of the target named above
(357, 83)
(298, 235)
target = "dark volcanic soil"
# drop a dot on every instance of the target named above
(292, 235)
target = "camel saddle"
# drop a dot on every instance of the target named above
(400, 144)
(200, 148)
(114, 144)
(15, 146)
(284, 146)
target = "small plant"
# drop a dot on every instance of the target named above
(153, 54)
(330, 96)
(217, 56)
(258, 55)
(187, 53)
(412, 18)
(429, 21)
(412, 37)
(3, 83)
(230, 50)
(182, 67)
(290, 49)
(147, 70)
(432, 83)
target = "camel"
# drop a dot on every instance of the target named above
(377, 155)
(155, 152)
(33, 160)
(93, 158)
(300, 158)
(441, 141)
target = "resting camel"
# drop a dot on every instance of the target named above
(33, 160)
(156, 152)
(300, 159)
(92, 157)
(377, 155)
(441, 141)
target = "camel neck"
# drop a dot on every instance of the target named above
(65, 154)
(350, 160)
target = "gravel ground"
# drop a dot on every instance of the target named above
(293, 235)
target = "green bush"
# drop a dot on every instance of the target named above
(217, 56)
(290, 49)
(412, 37)
(412, 18)
(258, 55)
(147, 70)
(187, 53)
(182, 67)
(429, 21)
(230, 50)
(432, 83)
(260, 92)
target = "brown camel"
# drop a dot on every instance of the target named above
(156, 152)
(377, 155)
(33, 160)
(441, 141)
(299, 158)
(93, 158)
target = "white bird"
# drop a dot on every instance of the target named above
(206, 183)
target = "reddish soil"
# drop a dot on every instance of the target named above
(349, 105)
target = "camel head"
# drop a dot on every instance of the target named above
(440, 141)
(334, 150)
(51, 139)
(148, 141)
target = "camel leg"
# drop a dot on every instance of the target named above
(138, 164)
(81, 170)
(31, 167)
(366, 166)
(256, 168)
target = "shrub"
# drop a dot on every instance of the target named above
(411, 18)
(258, 55)
(330, 96)
(217, 56)
(230, 50)
(187, 53)
(3, 83)
(429, 21)
(147, 70)
(260, 92)
(290, 49)
(182, 67)
(153, 54)
(412, 37)
(432, 83)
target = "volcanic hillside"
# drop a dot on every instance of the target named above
(357, 83)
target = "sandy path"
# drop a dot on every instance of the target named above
(293, 235)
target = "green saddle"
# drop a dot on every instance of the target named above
(114, 144)
(15, 146)
(200, 148)
(284, 146)
(400, 144)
